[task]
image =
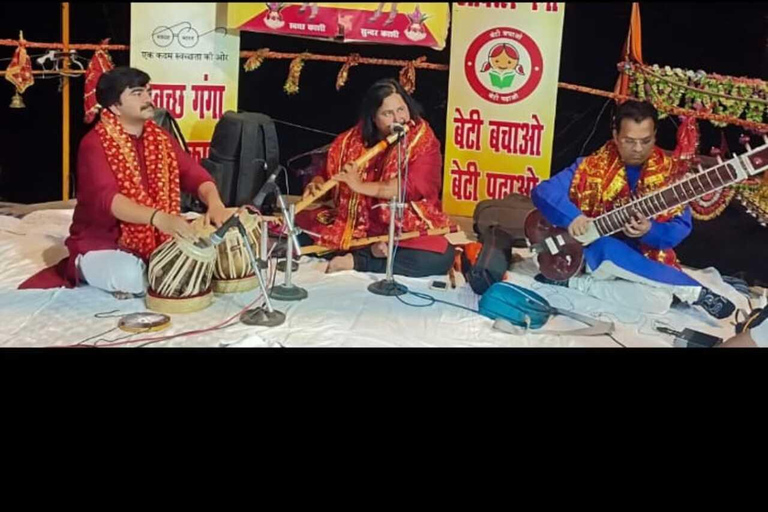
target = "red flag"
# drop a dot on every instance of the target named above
(632, 50)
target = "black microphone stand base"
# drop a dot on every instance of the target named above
(288, 293)
(262, 317)
(387, 288)
(281, 266)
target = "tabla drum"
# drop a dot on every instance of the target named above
(180, 275)
(233, 271)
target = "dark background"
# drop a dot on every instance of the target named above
(728, 39)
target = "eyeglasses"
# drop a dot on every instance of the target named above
(187, 36)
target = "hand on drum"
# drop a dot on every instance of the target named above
(175, 225)
(218, 215)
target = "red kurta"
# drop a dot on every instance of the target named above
(93, 225)
(353, 215)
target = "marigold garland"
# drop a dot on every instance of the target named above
(730, 97)
(256, 60)
(294, 73)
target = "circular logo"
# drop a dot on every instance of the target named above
(503, 65)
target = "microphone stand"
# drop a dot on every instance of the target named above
(387, 286)
(263, 263)
(289, 291)
(292, 235)
(263, 315)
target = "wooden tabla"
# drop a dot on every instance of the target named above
(180, 275)
(233, 271)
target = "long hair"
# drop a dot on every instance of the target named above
(373, 99)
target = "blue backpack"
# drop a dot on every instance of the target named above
(521, 307)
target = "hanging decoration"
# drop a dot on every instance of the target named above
(256, 60)
(100, 63)
(732, 97)
(19, 72)
(294, 72)
(754, 198)
(341, 78)
(408, 74)
(710, 205)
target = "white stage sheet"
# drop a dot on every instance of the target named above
(339, 312)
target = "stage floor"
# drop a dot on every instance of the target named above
(339, 311)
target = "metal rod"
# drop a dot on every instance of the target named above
(288, 221)
(263, 242)
(289, 249)
(255, 265)
(391, 244)
(65, 105)
(394, 204)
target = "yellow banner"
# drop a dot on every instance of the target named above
(500, 124)
(193, 62)
(403, 23)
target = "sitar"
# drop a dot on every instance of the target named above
(561, 256)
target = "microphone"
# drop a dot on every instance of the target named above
(218, 236)
(266, 187)
(396, 128)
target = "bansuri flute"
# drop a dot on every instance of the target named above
(312, 249)
(360, 162)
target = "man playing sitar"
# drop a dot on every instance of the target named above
(641, 254)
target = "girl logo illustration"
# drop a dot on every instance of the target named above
(493, 60)
(503, 63)
(274, 19)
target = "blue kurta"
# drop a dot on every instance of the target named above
(552, 199)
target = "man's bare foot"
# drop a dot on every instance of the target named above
(339, 263)
(379, 249)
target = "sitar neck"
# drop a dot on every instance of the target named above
(681, 192)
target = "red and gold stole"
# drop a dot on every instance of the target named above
(354, 216)
(162, 178)
(600, 184)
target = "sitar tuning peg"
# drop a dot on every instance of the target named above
(744, 141)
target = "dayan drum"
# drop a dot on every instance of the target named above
(180, 275)
(233, 271)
